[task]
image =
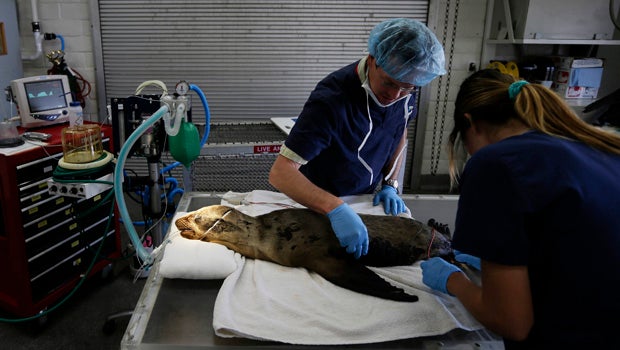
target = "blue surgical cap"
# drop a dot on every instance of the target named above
(407, 50)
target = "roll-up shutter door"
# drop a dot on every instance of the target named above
(252, 59)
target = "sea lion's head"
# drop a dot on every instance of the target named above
(215, 223)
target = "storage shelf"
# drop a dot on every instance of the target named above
(498, 13)
(579, 102)
(551, 42)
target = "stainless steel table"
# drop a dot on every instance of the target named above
(178, 313)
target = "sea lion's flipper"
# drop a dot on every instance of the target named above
(356, 277)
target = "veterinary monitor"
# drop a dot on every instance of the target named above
(42, 100)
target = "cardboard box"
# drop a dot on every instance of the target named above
(578, 62)
(575, 91)
(578, 77)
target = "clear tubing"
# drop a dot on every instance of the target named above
(179, 115)
(141, 252)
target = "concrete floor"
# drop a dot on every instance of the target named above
(78, 324)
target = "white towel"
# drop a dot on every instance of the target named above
(266, 301)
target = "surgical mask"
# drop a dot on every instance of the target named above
(366, 87)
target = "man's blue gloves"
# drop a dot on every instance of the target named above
(392, 203)
(435, 273)
(349, 229)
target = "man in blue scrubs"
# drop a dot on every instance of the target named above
(350, 136)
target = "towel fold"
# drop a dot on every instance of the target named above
(265, 301)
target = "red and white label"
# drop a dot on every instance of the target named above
(267, 149)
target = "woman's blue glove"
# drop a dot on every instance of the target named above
(349, 229)
(467, 259)
(435, 273)
(392, 203)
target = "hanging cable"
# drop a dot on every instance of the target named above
(442, 101)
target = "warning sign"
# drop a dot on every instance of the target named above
(267, 149)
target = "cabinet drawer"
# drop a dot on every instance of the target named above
(50, 239)
(67, 270)
(52, 219)
(101, 202)
(60, 233)
(31, 189)
(52, 255)
(35, 198)
(44, 207)
(57, 276)
(35, 171)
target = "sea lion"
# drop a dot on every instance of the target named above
(304, 238)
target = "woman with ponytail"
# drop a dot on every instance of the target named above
(538, 214)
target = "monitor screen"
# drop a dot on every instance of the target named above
(45, 95)
(42, 100)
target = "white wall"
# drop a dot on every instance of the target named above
(10, 63)
(71, 19)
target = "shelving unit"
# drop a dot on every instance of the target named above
(552, 42)
(499, 11)
(503, 43)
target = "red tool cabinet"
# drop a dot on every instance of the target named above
(45, 247)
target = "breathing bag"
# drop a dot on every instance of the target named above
(185, 145)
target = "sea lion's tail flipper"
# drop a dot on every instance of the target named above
(357, 277)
